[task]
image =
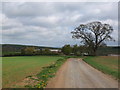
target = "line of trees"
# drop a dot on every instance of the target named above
(33, 51)
(75, 50)
(82, 50)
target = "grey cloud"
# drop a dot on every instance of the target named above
(50, 24)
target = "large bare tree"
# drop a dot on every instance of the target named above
(93, 34)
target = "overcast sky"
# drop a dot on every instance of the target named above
(50, 24)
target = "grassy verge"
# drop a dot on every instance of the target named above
(106, 64)
(46, 73)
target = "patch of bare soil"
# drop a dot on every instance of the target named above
(29, 81)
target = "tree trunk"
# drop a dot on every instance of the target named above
(95, 51)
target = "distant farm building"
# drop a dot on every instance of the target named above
(113, 55)
(55, 50)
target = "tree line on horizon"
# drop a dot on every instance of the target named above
(76, 50)
(35, 51)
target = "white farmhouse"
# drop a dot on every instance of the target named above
(55, 50)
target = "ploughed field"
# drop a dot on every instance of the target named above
(15, 69)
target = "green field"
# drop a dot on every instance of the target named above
(106, 64)
(16, 69)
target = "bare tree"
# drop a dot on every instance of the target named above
(93, 34)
